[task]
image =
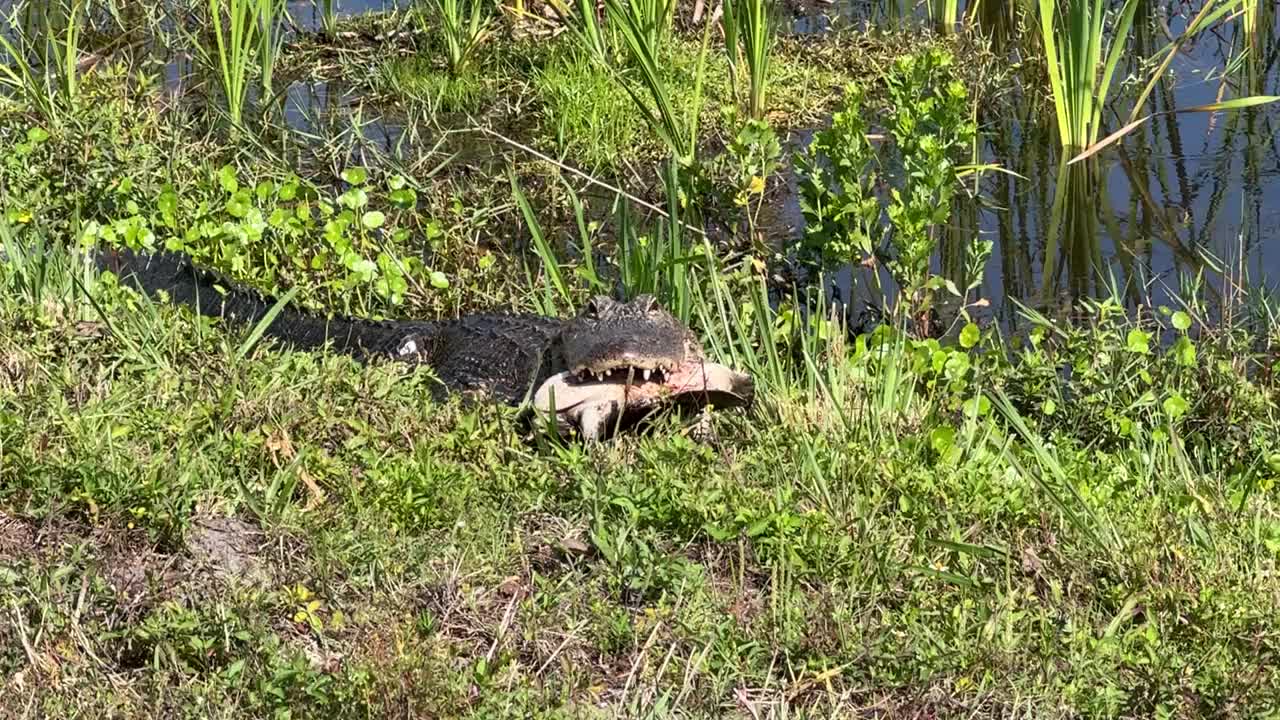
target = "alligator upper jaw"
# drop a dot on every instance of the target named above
(596, 407)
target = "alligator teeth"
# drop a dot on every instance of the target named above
(647, 373)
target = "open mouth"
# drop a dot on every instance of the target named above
(624, 373)
(634, 388)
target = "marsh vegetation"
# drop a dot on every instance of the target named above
(1002, 272)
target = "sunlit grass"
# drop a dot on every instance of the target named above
(660, 111)
(585, 111)
(419, 79)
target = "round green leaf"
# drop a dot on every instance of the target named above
(439, 280)
(1175, 405)
(373, 219)
(355, 176)
(227, 179)
(1138, 342)
(403, 198)
(969, 336)
(1181, 320)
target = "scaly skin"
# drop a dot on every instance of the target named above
(599, 358)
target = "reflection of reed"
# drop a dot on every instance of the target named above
(1072, 240)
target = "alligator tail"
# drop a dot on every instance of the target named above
(215, 295)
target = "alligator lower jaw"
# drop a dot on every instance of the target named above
(596, 407)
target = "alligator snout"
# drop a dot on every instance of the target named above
(622, 397)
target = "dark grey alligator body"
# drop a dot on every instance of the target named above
(611, 361)
(505, 355)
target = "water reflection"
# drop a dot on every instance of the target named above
(1184, 198)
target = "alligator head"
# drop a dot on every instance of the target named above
(609, 339)
(627, 360)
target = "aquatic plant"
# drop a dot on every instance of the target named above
(679, 134)
(464, 25)
(586, 24)
(236, 45)
(652, 19)
(270, 15)
(1209, 13)
(52, 83)
(943, 14)
(328, 15)
(750, 23)
(1080, 80)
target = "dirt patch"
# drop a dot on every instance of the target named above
(227, 548)
(16, 537)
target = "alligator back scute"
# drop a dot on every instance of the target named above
(212, 294)
(507, 356)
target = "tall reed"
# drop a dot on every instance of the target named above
(652, 18)
(679, 134)
(235, 49)
(1078, 76)
(271, 14)
(328, 16)
(585, 23)
(1210, 12)
(464, 25)
(749, 23)
(944, 13)
(52, 83)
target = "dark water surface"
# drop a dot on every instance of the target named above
(1179, 200)
(1176, 198)
(1158, 217)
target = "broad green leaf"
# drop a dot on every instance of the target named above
(227, 179)
(1175, 406)
(1138, 342)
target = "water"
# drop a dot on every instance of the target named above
(307, 14)
(1181, 187)
(1179, 199)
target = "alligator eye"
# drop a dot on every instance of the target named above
(646, 302)
(597, 305)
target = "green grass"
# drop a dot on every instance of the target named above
(422, 553)
(195, 523)
(552, 95)
(419, 79)
(585, 113)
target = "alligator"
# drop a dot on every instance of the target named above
(603, 370)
